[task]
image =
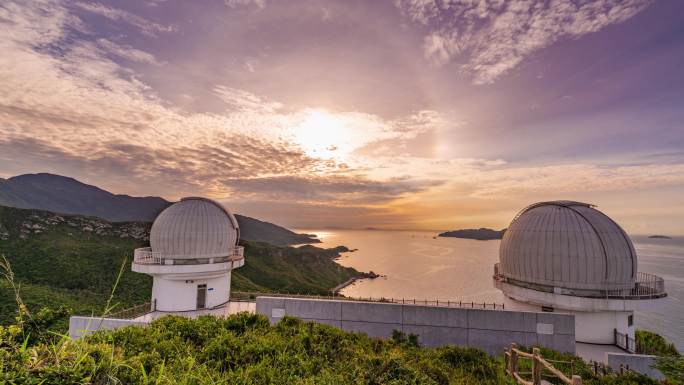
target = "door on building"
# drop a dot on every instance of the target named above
(201, 296)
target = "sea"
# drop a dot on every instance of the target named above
(419, 265)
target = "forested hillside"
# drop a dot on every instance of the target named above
(74, 261)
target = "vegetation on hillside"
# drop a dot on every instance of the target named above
(670, 361)
(73, 261)
(653, 343)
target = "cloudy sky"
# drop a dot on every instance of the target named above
(406, 114)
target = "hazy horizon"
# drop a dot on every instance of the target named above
(404, 114)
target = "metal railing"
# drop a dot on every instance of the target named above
(625, 342)
(244, 296)
(145, 256)
(646, 286)
(133, 312)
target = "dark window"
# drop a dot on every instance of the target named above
(630, 320)
(547, 309)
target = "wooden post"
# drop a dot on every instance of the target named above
(514, 359)
(536, 367)
(576, 380)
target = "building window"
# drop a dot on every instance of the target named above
(547, 309)
(630, 320)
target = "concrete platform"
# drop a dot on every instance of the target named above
(594, 352)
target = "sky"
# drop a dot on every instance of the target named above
(406, 114)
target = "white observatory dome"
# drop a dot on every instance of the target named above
(570, 245)
(194, 228)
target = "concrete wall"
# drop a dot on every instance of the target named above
(636, 362)
(599, 327)
(181, 294)
(79, 326)
(490, 330)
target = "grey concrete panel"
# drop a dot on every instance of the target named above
(312, 308)
(560, 342)
(434, 336)
(529, 339)
(637, 362)
(497, 320)
(373, 329)
(80, 326)
(371, 312)
(265, 306)
(493, 341)
(562, 323)
(435, 316)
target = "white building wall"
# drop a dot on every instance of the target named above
(598, 327)
(181, 294)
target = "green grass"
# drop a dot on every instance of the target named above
(242, 349)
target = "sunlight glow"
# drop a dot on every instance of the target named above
(324, 135)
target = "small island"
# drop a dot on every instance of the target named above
(660, 237)
(481, 234)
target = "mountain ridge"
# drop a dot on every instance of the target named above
(69, 196)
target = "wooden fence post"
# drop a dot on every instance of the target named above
(514, 359)
(536, 367)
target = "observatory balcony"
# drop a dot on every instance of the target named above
(151, 262)
(646, 286)
(145, 256)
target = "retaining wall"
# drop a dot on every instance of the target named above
(80, 326)
(490, 330)
(637, 362)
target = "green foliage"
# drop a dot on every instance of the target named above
(240, 349)
(672, 367)
(653, 343)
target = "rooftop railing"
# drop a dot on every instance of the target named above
(145, 256)
(646, 286)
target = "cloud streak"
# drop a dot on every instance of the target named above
(490, 38)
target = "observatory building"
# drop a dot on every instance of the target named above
(193, 248)
(568, 257)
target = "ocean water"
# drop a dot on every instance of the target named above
(418, 265)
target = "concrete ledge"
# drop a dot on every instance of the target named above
(80, 326)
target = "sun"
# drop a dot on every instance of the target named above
(322, 134)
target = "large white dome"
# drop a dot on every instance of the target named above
(568, 245)
(194, 228)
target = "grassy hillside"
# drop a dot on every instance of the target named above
(74, 261)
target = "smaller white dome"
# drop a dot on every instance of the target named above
(194, 228)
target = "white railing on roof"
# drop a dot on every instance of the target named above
(145, 256)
